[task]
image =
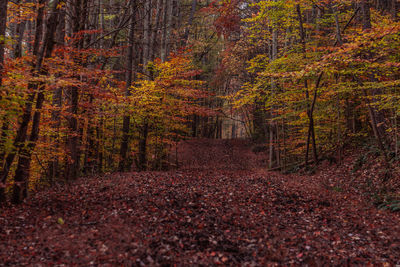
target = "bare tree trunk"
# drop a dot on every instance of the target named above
(73, 140)
(310, 108)
(284, 145)
(100, 144)
(277, 148)
(311, 128)
(272, 126)
(146, 33)
(155, 28)
(168, 25)
(128, 79)
(339, 41)
(19, 32)
(53, 166)
(163, 31)
(142, 165)
(142, 159)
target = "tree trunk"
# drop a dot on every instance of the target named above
(19, 34)
(272, 126)
(142, 165)
(311, 117)
(154, 31)
(168, 26)
(190, 23)
(366, 14)
(22, 172)
(146, 34)
(3, 136)
(53, 169)
(123, 164)
(78, 18)
(25, 118)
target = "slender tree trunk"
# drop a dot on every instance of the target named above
(146, 33)
(303, 43)
(339, 41)
(73, 141)
(277, 149)
(311, 117)
(72, 164)
(163, 31)
(3, 136)
(155, 29)
(143, 147)
(22, 172)
(272, 126)
(19, 32)
(308, 132)
(142, 159)
(168, 25)
(311, 130)
(100, 145)
(53, 169)
(284, 146)
(123, 164)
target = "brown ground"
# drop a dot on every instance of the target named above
(221, 207)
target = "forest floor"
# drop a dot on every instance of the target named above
(220, 207)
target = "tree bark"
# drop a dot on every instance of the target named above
(22, 172)
(146, 34)
(272, 126)
(168, 28)
(25, 118)
(72, 169)
(311, 129)
(3, 136)
(366, 14)
(155, 29)
(123, 164)
(142, 164)
(53, 169)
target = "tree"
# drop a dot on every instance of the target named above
(4, 128)
(130, 61)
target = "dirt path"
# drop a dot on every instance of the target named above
(205, 214)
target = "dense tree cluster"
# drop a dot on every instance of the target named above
(314, 76)
(92, 86)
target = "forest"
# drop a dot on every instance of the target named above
(199, 132)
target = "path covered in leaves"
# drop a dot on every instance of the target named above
(209, 212)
